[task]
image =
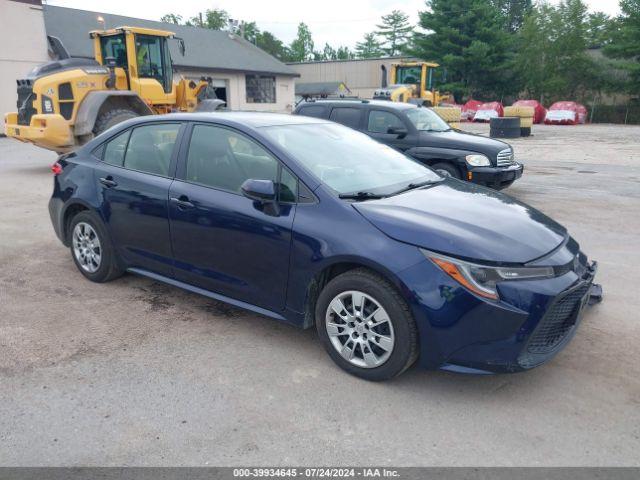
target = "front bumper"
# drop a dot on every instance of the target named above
(529, 325)
(49, 131)
(495, 177)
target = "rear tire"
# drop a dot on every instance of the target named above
(447, 170)
(91, 248)
(108, 119)
(375, 336)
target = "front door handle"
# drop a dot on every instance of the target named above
(108, 182)
(182, 203)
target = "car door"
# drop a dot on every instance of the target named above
(378, 124)
(347, 116)
(133, 179)
(223, 241)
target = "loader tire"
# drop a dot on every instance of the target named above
(110, 118)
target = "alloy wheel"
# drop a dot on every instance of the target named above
(359, 329)
(86, 247)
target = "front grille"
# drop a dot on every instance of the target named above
(505, 158)
(25, 101)
(554, 328)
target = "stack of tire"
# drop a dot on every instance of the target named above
(504, 127)
(450, 114)
(525, 114)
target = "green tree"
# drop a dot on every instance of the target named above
(301, 48)
(466, 37)
(599, 28)
(172, 18)
(553, 60)
(344, 53)
(268, 42)
(395, 29)
(625, 42)
(369, 47)
(216, 19)
(328, 53)
(513, 12)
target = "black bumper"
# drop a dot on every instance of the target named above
(495, 177)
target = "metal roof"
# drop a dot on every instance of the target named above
(321, 88)
(205, 49)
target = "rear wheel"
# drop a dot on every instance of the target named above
(108, 119)
(366, 326)
(446, 170)
(91, 248)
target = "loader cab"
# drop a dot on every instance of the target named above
(142, 61)
(420, 74)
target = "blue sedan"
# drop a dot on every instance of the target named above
(314, 224)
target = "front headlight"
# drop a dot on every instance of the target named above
(478, 160)
(482, 279)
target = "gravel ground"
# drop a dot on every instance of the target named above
(137, 373)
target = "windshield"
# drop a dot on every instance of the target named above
(348, 161)
(408, 74)
(427, 120)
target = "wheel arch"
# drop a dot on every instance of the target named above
(96, 103)
(336, 267)
(70, 210)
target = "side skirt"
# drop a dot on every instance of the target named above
(207, 293)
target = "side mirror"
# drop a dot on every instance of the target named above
(401, 132)
(259, 190)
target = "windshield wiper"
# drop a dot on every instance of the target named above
(414, 185)
(361, 195)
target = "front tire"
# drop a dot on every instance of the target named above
(365, 326)
(447, 170)
(91, 248)
(108, 119)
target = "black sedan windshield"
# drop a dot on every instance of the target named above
(349, 161)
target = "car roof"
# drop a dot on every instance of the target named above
(251, 119)
(360, 102)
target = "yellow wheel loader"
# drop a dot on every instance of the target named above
(64, 103)
(411, 82)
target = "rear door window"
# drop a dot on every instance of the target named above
(150, 148)
(316, 111)
(380, 121)
(347, 116)
(115, 148)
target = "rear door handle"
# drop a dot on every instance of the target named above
(182, 203)
(108, 182)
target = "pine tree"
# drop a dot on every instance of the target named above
(395, 29)
(625, 42)
(370, 47)
(466, 37)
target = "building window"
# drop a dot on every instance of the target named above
(261, 89)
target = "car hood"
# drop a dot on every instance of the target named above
(465, 221)
(456, 140)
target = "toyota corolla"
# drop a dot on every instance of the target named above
(315, 224)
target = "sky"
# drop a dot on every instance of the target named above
(337, 22)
